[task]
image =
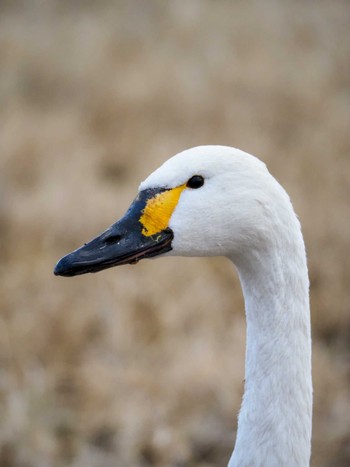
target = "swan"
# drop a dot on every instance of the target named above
(221, 201)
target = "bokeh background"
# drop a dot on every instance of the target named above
(144, 365)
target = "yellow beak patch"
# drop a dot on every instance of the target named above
(158, 211)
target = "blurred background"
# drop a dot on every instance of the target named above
(144, 365)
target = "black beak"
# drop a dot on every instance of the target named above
(122, 243)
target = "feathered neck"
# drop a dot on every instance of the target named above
(274, 426)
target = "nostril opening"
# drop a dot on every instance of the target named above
(113, 239)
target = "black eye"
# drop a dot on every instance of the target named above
(195, 182)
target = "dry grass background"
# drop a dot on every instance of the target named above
(143, 366)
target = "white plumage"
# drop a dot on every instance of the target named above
(243, 213)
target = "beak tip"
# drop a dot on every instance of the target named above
(57, 271)
(62, 267)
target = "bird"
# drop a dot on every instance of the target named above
(221, 201)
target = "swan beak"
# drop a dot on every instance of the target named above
(125, 242)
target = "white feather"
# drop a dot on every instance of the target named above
(243, 213)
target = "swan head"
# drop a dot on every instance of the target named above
(204, 201)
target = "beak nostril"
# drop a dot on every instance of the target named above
(112, 239)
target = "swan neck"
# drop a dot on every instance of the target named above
(274, 426)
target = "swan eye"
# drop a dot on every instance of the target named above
(195, 182)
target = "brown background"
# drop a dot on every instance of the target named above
(143, 366)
